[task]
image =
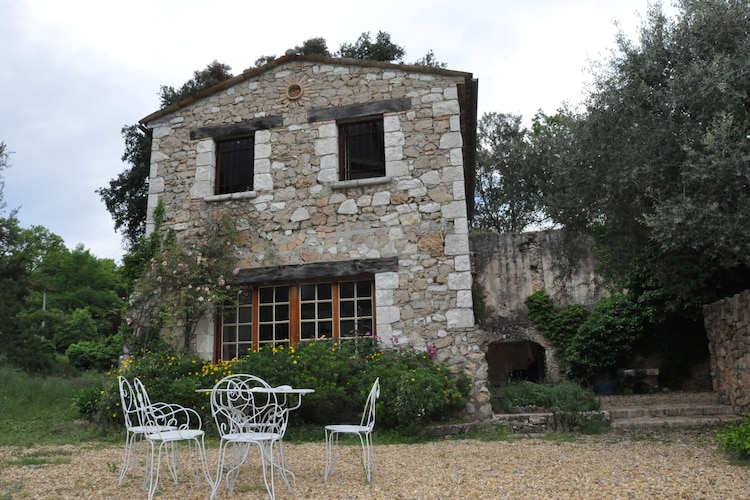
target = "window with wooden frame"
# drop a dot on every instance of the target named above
(235, 165)
(361, 149)
(269, 315)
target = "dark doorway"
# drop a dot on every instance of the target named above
(514, 360)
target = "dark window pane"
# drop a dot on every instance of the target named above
(266, 313)
(282, 312)
(346, 309)
(282, 331)
(362, 149)
(364, 288)
(307, 311)
(346, 289)
(307, 331)
(364, 308)
(282, 293)
(229, 334)
(325, 310)
(266, 295)
(307, 292)
(235, 165)
(246, 334)
(246, 315)
(325, 329)
(265, 333)
(325, 291)
(347, 328)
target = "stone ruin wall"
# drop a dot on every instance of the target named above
(511, 266)
(728, 329)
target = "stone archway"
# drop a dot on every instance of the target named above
(513, 360)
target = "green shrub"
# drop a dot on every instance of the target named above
(735, 439)
(558, 324)
(605, 341)
(415, 390)
(101, 354)
(570, 404)
(567, 396)
(32, 353)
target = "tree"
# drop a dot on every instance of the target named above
(505, 195)
(430, 61)
(214, 73)
(314, 47)
(67, 281)
(657, 164)
(126, 198)
(382, 49)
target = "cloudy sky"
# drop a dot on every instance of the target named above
(73, 73)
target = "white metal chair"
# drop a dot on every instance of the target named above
(247, 413)
(363, 431)
(132, 412)
(185, 426)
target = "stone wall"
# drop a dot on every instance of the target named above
(728, 328)
(299, 213)
(509, 267)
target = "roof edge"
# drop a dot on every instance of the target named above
(252, 72)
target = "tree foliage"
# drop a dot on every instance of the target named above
(430, 61)
(657, 164)
(316, 46)
(214, 73)
(505, 193)
(181, 282)
(126, 198)
(382, 49)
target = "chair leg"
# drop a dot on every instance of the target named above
(128, 455)
(153, 477)
(332, 442)
(368, 458)
(266, 460)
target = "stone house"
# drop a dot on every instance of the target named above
(352, 184)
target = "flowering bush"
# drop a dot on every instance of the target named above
(181, 283)
(415, 390)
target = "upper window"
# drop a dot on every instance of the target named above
(361, 149)
(234, 165)
(293, 313)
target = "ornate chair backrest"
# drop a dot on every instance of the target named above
(129, 403)
(163, 416)
(368, 416)
(240, 403)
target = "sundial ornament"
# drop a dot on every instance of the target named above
(294, 92)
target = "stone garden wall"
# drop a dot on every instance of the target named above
(728, 328)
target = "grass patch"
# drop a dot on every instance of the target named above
(40, 411)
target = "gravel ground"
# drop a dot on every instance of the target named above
(685, 465)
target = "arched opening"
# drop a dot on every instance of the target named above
(514, 360)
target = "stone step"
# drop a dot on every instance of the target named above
(671, 415)
(673, 410)
(677, 422)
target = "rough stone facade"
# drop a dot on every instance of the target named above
(300, 214)
(728, 328)
(509, 267)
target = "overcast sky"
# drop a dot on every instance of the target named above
(74, 72)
